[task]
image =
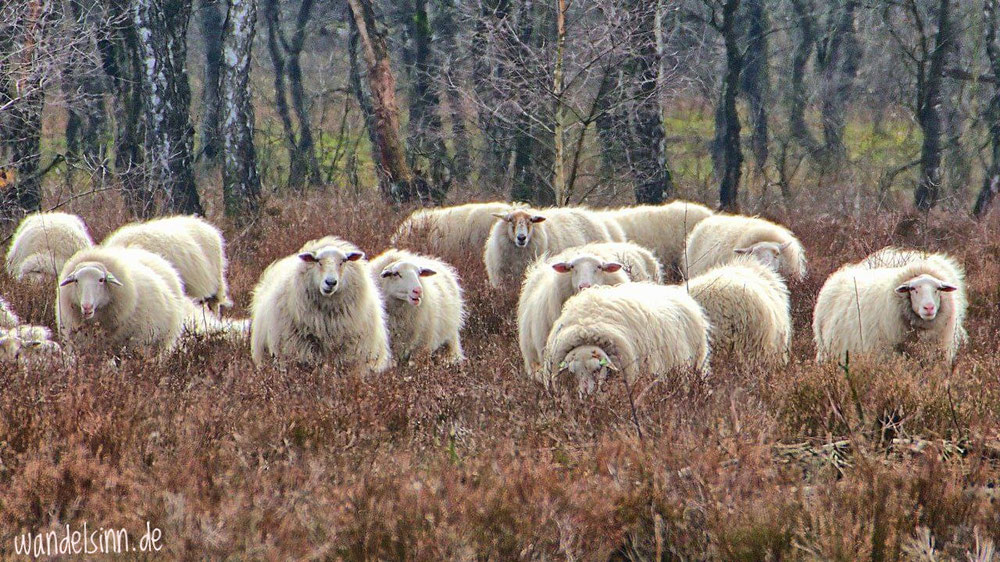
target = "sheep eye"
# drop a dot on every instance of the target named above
(103, 280)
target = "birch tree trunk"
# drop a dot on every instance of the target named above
(240, 182)
(210, 19)
(161, 30)
(559, 113)
(929, 114)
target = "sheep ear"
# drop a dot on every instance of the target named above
(561, 267)
(611, 267)
(502, 216)
(605, 362)
(308, 257)
(562, 366)
(784, 246)
(537, 218)
(355, 256)
(69, 279)
(386, 273)
(742, 251)
(903, 289)
(946, 288)
(113, 280)
(425, 272)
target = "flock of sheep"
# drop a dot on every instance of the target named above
(592, 303)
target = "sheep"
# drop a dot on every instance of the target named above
(26, 342)
(522, 235)
(451, 231)
(661, 228)
(917, 302)
(192, 245)
(42, 244)
(423, 303)
(549, 282)
(632, 328)
(720, 238)
(748, 307)
(133, 296)
(8, 319)
(318, 304)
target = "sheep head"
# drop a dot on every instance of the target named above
(520, 224)
(767, 253)
(90, 285)
(589, 270)
(401, 281)
(590, 365)
(325, 267)
(924, 292)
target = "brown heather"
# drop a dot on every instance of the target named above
(886, 461)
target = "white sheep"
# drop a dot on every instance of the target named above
(126, 296)
(522, 235)
(633, 329)
(320, 304)
(748, 307)
(7, 317)
(549, 282)
(26, 342)
(866, 308)
(192, 245)
(721, 238)
(661, 228)
(451, 231)
(42, 244)
(423, 303)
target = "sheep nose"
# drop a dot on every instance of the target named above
(929, 308)
(521, 237)
(417, 291)
(330, 283)
(584, 286)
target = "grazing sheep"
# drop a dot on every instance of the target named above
(42, 244)
(634, 328)
(131, 296)
(720, 238)
(522, 235)
(320, 304)
(451, 231)
(192, 245)
(423, 303)
(7, 317)
(27, 342)
(661, 228)
(747, 305)
(916, 302)
(549, 282)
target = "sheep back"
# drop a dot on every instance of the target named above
(713, 242)
(661, 228)
(43, 242)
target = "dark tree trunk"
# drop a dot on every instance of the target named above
(382, 82)
(727, 153)
(240, 182)
(929, 114)
(306, 145)
(84, 93)
(122, 63)
(426, 142)
(365, 103)
(446, 27)
(296, 163)
(839, 63)
(756, 79)
(22, 121)
(991, 181)
(161, 27)
(646, 142)
(495, 15)
(797, 127)
(210, 20)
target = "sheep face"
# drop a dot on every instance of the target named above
(401, 281)
(519, 226)
(588, 271)
(90, 286)
(590, 365)
(767, 253)
(23, 343)
(325, 268)
(924, 292)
